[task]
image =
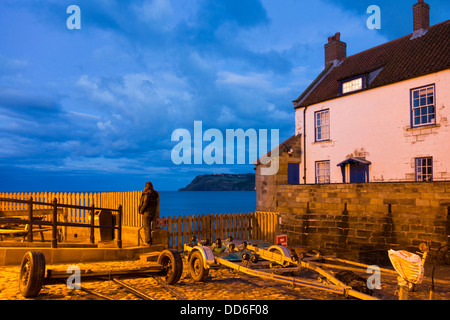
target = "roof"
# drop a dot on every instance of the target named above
(400, 60)
(283, 147)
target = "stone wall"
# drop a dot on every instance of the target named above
(361, 217)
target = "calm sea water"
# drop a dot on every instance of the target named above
(176, 203)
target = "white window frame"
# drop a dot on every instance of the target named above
(352, 85)
(323, 172)
(322, 125)
(423, 106)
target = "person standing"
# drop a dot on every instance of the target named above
(149, 208)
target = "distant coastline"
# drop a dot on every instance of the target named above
(222, 182)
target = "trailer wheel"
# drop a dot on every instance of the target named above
(275, 249)
(196, 267)
(172, 264)
(32, 273)
(245, 256)
(443, 255)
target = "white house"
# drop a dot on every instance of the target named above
(382, 114)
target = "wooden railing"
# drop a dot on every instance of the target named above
(31, 205)
(72, 199)
(129, 201)
(254, 225)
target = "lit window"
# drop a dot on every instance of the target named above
(322, 125)
(422, 106)
(322, 172)
(352, 85)
(424, 169)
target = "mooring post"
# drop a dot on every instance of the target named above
(119, 227)
(30, 220)
(55, 224)
(92, 237)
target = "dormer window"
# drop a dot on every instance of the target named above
(351, 85)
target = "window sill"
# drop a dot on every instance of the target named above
(323, 142)
(427, 126)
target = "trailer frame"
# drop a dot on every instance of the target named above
(33, 275)
(202, 259)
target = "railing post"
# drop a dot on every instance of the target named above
(54, 224)
(30, 219)
(92, 237)
(119, 227)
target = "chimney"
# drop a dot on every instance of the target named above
(421, 12)
(335, 50)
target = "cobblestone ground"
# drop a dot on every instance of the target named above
(223, 284)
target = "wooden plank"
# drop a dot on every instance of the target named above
(13, 231)
(190, 230)
(203, 227)
(169, 230)
(24, 213)
(179, 226)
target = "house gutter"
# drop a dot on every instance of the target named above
(304, 145)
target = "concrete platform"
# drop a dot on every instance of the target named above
(12, 256)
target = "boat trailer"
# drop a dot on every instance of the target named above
(202, 258)
(33, 277)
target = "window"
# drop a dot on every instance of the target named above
(352, 85)
(424, 169)
(423, 111)
(322, 172)
(322, 125)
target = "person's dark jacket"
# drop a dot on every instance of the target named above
(149, 202)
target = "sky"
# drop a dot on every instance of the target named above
(94, 109)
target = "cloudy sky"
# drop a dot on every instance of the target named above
(94, 109)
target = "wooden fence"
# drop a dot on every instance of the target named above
(254, 225)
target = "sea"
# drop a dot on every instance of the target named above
(185, 203)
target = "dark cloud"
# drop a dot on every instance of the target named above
(97, 106)
(29, 106)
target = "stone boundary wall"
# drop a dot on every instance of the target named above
(362, 217)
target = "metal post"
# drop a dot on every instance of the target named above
(119, 227)
(54, 224)
(403, 289)
(403, 293)
(30, 219)
(92, 237)
(432, 284)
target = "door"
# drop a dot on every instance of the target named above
(293, 173)
(359, 173)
